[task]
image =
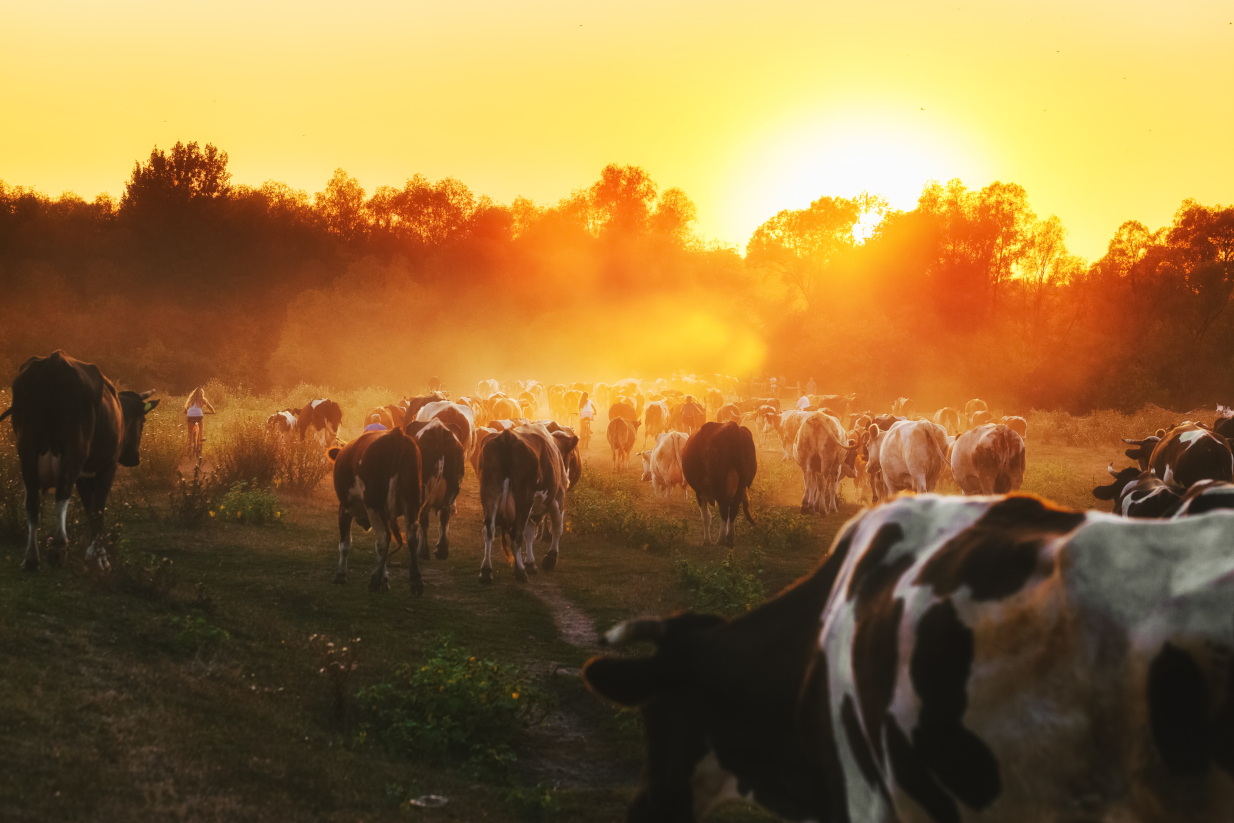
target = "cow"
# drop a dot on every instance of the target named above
(714, 399)
(502, 407)
(662, 465)
(381, 416)
(693, 416)
(1224, 424)
(979, 418)
(528, 401)
(283, 424)
(820, 448)
(72, 428)
(656, 419)
(487, 388)
(988, 460)
(973, 406)
(412, 405)
(790, 424)
(719, 463)
(949, 419)
(1139, 493)
(624, 409)
(567, 442)
(621, 435)
(457, 417)
(1189, 453)
(320, 418)
(482, 433)
(1204, 496)
(840, 404)
(522, 480)
(727, 413)
(953, 659)
(768, 421)
(1143, 450)
(886, 421)
(377, 479)
(1017, 424)
(441, 474)
(902, 407)
(909, 457)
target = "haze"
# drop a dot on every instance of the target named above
(1104, 113)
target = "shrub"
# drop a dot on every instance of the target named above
(248, 503)
(453, 709)
(597, 506)
(1100, 429)
(245, 450)
(531, 802)
(338, 664)
(195, 634)
(779, 530)
(723, 588)
(191, 501)
(302, 465)
(164, 445)
(12, 489)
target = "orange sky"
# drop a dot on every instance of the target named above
(1104, 111)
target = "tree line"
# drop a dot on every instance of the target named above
(191, 276)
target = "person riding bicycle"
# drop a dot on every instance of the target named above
(195, 409)
(586, 412)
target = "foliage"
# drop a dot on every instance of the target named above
(302, 465)
(724, 588)
(247, 503)
(12, 489)
(164, 444)
(245, 450)
(531, 802)
(597, 506)
(779, 529)
(338, 665)
(195, 634)
(1100, 429)
(191, 501)
(453, 709)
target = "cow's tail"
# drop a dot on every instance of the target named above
(7, 412)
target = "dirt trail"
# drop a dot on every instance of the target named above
(576, 627)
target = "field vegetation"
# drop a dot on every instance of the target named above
(217, 674)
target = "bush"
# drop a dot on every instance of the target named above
(245, 450)
(724, 588)
(1101, 429)
(453, 709)
(302, 465)
(191, 501)
(247, 503)
(195, 634)
(597, 506)
(12, 489)
(779, 530)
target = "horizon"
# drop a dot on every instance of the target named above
(1093, 113)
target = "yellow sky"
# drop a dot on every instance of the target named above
(1104, 111)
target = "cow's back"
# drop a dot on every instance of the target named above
(63, 405)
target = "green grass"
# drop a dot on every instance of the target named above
(189, 685)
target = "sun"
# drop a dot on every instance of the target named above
(846, 153)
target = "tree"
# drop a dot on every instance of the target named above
(623, 197)
(341, 206)
(172, 184)
(674, 216)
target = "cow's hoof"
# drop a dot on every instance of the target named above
(378, 585)
(486, 577)
(340, 578)
(520, 575)
(550, 561)
(531, 568)
(443, 552)
(417, 587)
(104, 564)
(30, 565)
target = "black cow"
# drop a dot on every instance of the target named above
(1139, 493)
(1143, 450)
(954, 659)
(1205, 496)
(72, 427)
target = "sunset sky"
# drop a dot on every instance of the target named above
(1104, 111)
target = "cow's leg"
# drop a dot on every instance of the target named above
(557, 517)
(93, 492)
(344, 542)
(443, 539)
(34, 495)
(413, 555)
(529, 543)
(490, 531)
(379, 581)
(706, 511)
(522, 515)
(422, 532)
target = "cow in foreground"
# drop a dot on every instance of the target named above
(988, 460)
(442, 464)
(719, 463)
(522, 480)
(377, 479)
(954, 659)
(73, 428)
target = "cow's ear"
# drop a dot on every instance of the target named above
(626, 682)
(332, 453)
(149, 406)
(1104, 492)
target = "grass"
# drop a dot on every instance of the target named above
(193, 684)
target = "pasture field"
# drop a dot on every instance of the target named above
(195, 682)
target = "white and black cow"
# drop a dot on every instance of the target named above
(955, 660)
(73, 428)
(320, 418)
(1139, 493)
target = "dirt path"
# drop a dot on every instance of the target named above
(576, 627)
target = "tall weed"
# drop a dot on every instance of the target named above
(725, 588)
(245, 451)
(1100, 429)
(598, 506)
(302, 465)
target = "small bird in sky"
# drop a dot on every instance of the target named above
(923, 108)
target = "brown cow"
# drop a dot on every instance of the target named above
(719, 462)
(1189, 453)
(657, 418)
(1017, 424)
(624, 410)
(320, 418)
(522, 479)
(727, 413)
(457, 417)
(621, 436)
(693, 416)
(377, 480)
(441, 475)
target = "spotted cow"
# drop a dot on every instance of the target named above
(988, 460)
(1189, 453)
(441, 475)
(1138, 493)
(954, 660)
(320, 418)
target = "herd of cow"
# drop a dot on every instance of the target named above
(953, 659)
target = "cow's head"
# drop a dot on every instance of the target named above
(1114, 490)
(134, 407)
(1143, 448)
(646, 463)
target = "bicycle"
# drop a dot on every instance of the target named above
(584, 432)
(197, 436)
